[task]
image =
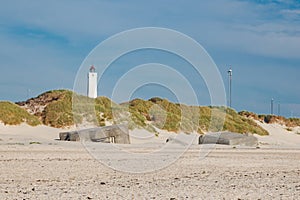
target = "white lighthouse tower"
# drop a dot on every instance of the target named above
(92, 82)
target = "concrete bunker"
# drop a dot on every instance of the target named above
(107, 134)
(228, 138)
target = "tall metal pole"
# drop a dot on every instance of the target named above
(229, 86)
(272, 103)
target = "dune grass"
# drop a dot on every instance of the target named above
(12, 114)
(58, 113)
(289, 122)
(179, 117)
(63, 108)
(240, 124)
(148, 114)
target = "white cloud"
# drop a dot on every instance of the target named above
(228, 24)
(71, 28)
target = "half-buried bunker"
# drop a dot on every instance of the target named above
(107, 134)
(228, 138)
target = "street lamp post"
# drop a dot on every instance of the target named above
(272, 104)
(229, 86)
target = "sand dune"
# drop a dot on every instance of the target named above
(25, 133)
(279, 136)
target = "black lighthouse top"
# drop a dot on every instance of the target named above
(92, 68)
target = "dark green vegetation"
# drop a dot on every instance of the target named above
(55, 108)
(12, 114)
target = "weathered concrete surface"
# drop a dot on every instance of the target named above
(108, 134)
(228, 138)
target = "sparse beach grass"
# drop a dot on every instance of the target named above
(12, 114)
(289, 129)
(55, 109)
(34, 142)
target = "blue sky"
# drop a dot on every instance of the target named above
(43, 43)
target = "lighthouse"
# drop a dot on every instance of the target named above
(92, 82)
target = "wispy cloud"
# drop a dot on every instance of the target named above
(46, 41)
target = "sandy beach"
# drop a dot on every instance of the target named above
(154, 100)
(36, 166)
